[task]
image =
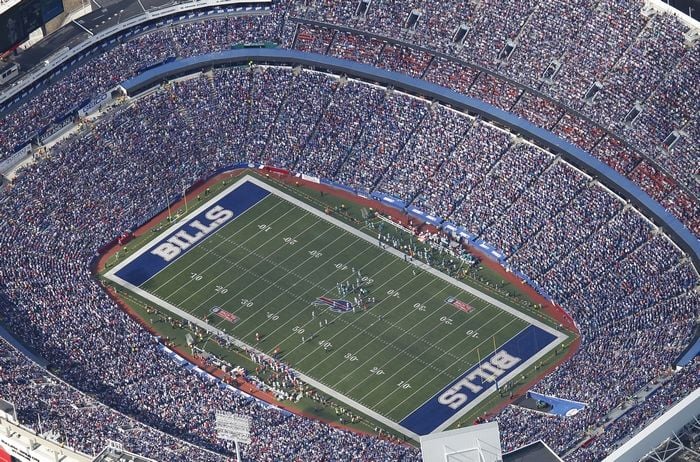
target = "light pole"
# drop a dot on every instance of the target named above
(233, 427)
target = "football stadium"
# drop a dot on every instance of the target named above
(349, 230)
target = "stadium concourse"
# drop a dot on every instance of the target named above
(631, 291)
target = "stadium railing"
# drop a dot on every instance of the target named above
(138, 24)
(573, 154)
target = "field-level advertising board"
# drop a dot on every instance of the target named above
(386, 334)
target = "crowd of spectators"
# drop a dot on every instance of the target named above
(336, 132)
(550, 31)
(603, 38)
(578, 131)
(682, 160)
(382, 140)
(451, 74)
(465, 167)
(637, 59)
(628, 288)
(597, 436)
(510, 177)
(642, 413)
(100, 72)
(560, 49)
(54, 305)
(655, 52)
(50, 407)
(576, 221)
(683, 205)
(673, 103)
(652, 181)
(312, 39)
(359, 48)
(538, 110)
(429, 145)
(296, 119)
(495, 91)
(560, 183)
(613, 153)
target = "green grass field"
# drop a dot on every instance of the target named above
(399, 347)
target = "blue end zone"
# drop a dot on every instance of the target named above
(147, 265)
(433, 413)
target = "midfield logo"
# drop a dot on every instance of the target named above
(337, 305)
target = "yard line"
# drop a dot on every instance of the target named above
(207, 237)
(466, 320)
(325, 292)
(230, 251)
(249, 270)
(379, 303)
(390, 343)
(459, 360)
(239, 230)
(370, 313)
(317, 284)
(343, 233)
(274, 267)
(304, 277)
(391, 325)
(431, 380)
(435, 347)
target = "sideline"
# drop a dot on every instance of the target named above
(662, 219)
(559, 337)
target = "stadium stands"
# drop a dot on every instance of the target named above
(51, 311)
(630, 290)
(647, 134)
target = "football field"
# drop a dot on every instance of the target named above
(390, 336)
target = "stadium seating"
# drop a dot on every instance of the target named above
(629, 289)
(54, 304)
(551, 34)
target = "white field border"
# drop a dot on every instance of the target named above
(559, 336)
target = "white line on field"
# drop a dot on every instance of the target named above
(399, 255)
(249, 270)
(281, 290)
(437, 325)
(184, 220)
(389, 344)
(326, 291)
(229, 250)
(431, 380)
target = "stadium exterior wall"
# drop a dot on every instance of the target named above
(576, 156)
(24, 445)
